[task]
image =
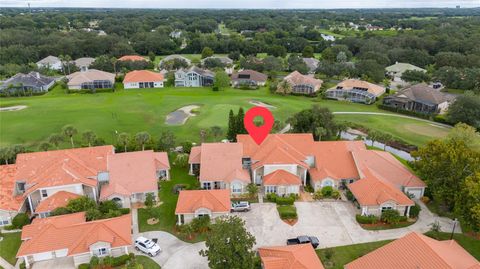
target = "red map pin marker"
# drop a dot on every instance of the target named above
(258, 133)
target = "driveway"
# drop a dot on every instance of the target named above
(332, 222)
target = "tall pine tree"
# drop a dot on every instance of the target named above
(240, 126)
(232, 124)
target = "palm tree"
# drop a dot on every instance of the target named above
(113, 61)
(89, 137)
(6, 154)
(55, 139)
(341, 127)
(203, 135)
(386, 138)
(62, 60)
(44, 146)
(216, 131)
(69, 131)
(123, 139)
(320, 131)
(142, 138)
(68, 59)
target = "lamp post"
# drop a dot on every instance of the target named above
(453, 230)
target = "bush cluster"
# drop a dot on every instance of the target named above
(287, 212)
(107, 262)
(326, 192)
(392, 216)
(370, 219)
(415, 211)
(20, 220)
(406, 112)
(279, 200)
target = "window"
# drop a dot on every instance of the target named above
(4, 222)
(207, 185)
(236, 188)
(101, 252)
(386, 208)
(271, 189)
(44, 193)
(21, 186)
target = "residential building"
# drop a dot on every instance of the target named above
(33, 81)
(357, 91)
(91, 79)
(328, 37)
(176, 33)
(396, 71)
(224, 60)
(303, 84)
(417, 251)
(10, 205)
(172, 57)
(133, 175)
(132, 58)
(281, 183)
(74, 240)
(143, 79)
(84, 63)
(58, 199)
(312, 64)
(420, 98)
(293, 256)
(50, 62)
(198, 203)
(194, 77)
(248, 78)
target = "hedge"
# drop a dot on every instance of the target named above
(84, 266)
(285, 200)
(415, 211)
(370, 219)
(287, 212)
(20, 220)
(91, 91)
(406, 112)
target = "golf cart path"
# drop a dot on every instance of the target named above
(393, 115)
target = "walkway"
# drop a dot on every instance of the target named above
(5, 264)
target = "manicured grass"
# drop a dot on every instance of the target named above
(139, 110)
(345, 254)
(470, 244)
(9, 246)
(386, 226)
(147, 262)
(166, 211)
(287, 211)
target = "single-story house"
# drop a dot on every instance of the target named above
(303, 84)
(142, 79)
(84, 63)
(301, 256)
(173, 57)
(312, 64)
(282, 183)
(357, 91)
(50, 62)
(224, 60)
(249, 78)
(197, 203)
(194, 77)
(10, 204)
(419, 98)
(58, 199)
(72, 237)
(396, 71)
(375, 195)
(416, 250)
(32, 81)
(132, 58)
(91, 79)
(132, 175)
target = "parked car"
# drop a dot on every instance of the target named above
(304, 240)
(147, 246)
(242, 206)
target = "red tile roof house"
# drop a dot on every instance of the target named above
(417, 251)
(59, 199)
(132, 58)
(197, 203)
(142, 79)
(10, 204)
(290, 257)
(73, 240)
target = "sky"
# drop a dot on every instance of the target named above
(261, 4)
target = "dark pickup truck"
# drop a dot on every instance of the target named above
(304, 240)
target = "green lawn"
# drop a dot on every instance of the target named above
(166, 211)
(285, 211)
(147, 262)
(9, 246)
(139, 110)
(345, 254)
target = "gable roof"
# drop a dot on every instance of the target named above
(424, 94)
(69, 232)
(290, 257)
(49, 60)
(8, 201)
(175, 56)
(132, 58)
(142, 76)
(89, 75)
(200, 71)
(372, 191)
(350, 84)
(195, 155)
(281, 177)
(214, 200)
(84, 61)
(311, 63)
(59, 199)
(32, 79)
(133, 172)
(296, 78)
(253, 75)
(220, 160)
(416, 251)
(402, 67)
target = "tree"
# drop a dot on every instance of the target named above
(222, 80)
(44, 146)
(308, 52)
(415, 76)
(123, 139)
(69, 131)
(284, 87)
(469, 206)
(371, 70)
(151, 56)
(232, 127)
(216, 131)
(82, 203)
(466, 109)
(89, 137)
(207, 52)
(252, 189)
(55, 139)
(203, 135)
(240, 128)
(234, 55)
(187, 147)
(465, 133)
(296, 63)
(277, 51)
(20, 220)
(309, 120)
(166, 141)
(6, 154)
(142, 138)
(181, 160)
(229, 245)
(149, 200)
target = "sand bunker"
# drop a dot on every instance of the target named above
(181, 115)
(262, 104)
(12, 108)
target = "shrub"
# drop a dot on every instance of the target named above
(335, 194)
(309, 188)
(327, 191)
(108, 205)
(121, 260)
(349, 195)
(318, 195)
(23, 266)
(272, 197)
(425, 199)
(94, 261)
(287, 212)
(201, 225)
(285, 200)
(124, 211)
(60, 211)
(107, 261)
(390, 216)
(415, 211)
(370, 219)
(20, 220)
(215, 88)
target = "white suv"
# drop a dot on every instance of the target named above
(147, 246)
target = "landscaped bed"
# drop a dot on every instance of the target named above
(288, 213)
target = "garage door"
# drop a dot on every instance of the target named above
(42, 256)
(417, 193)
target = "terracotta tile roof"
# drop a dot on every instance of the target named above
(59, 199)
(142, 76)
(372, 191)
(281, 178)
(38, 224)
(195, 154)
(76, 236)
(214, 200)
(416, 251)
(296, 78)
(356, 83)
(220, 160)
(250, 75)
(290, 257)
(8, 201)
(387, 168)
(334, 159)
(62, 167)
(133, 172)
(132, 58)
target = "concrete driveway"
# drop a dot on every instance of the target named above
(332, 222)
